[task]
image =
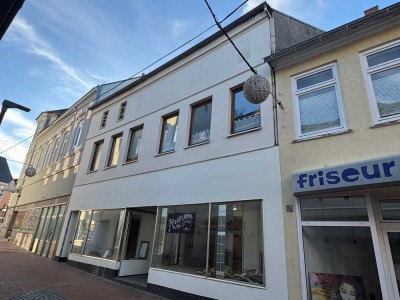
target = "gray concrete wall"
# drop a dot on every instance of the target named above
(289, 31)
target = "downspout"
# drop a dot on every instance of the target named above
(268, 10)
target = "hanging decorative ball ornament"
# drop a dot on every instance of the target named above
(30, 171)
(256, 89)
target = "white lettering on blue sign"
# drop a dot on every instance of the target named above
(360, 173)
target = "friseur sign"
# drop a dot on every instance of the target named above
(363, 173)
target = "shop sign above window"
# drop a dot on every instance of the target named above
(375, 171)
(181, 223)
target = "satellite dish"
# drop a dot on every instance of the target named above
(256, 89)
(30, 171)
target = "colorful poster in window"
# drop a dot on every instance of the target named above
(325, 286)
(181, 223)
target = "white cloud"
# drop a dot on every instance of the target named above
(24, 33)
(15, 128)
(178, 27)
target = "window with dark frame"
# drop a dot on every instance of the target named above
(94, 164)
(114, 150)
(168, 133)
(104, 119)
(200, 122)
(122, 110)
(245, 115)
(134, 143)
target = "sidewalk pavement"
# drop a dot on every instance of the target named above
(24, 276)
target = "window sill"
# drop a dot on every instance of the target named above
(110, 167)
(130, 161)
(211, 278)
(322, 136)
(387, 123)
(166, 152)
(90, 172)
(244, 132)
(195, 145)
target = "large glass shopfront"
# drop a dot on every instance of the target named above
(215, 240)
(48, 230)
(350, 246)
(98, 233)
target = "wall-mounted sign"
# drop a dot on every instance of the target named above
(362, 173)
(181, 223)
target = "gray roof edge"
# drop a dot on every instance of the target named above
(288, 56)
(255, 11)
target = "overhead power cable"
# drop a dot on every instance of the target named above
(158, 60)
(16, 144)
(171, 52)
(228, 37)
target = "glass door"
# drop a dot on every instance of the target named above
(56, 231)
(50, 232)
(43, 236)
(40, 229)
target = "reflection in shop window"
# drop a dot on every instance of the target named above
(235, 245)
(236, 248)
(103, 234)
(81, 232)
(339, 260)
(181, 243)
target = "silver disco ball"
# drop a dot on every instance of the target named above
(30, 171)
(256, 89)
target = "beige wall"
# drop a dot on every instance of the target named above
(362, 143)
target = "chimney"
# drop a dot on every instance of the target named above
(371, 10)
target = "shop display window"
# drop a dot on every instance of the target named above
(390, 210)
(98, 233)
(339, 256)
(352, 208)
(340, 263)
(103, 234)
(81, 232)
(181, 243)
(235, 244)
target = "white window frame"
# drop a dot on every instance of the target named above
(56, 150)
(64, 143)
(371, 224)
(368, 71)
(77, 137)
(335, 82)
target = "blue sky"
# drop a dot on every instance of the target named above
(55, 51)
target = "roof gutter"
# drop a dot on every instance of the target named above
(348, 33)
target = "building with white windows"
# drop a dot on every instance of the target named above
(36, 209)
(339, 149)
(179, 181)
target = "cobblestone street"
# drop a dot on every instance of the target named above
(24, 275)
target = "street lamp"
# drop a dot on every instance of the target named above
(9, 104)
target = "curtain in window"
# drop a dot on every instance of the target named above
(386, 86)
(319, 110)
